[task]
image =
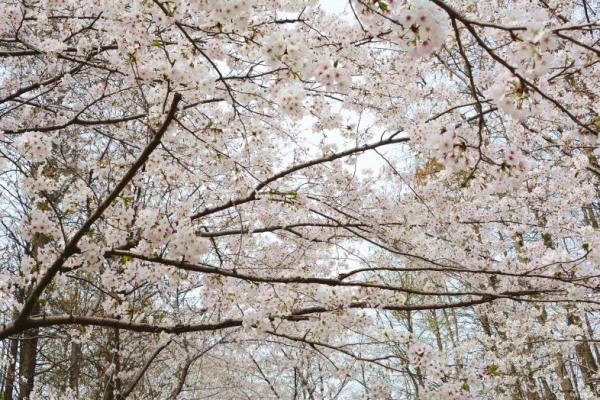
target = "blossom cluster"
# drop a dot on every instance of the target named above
(291, 101)
(425, 27)
(533, 53)
(513, 96)
(155, 228)
(39, 223)
(448, 148)
(331, 74)
(419, 26)
(10, 18)
(288, 48)
(514, 158)
(35, 146)
(418, 353)
(229, 14)
(185, 243)
(256, 319)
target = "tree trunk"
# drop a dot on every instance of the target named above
(588, 365)
(591, 337)
(532, 393)
(436, 330)
(75, 367)
(564, 379)
(9, 383)
(573, 375)
(28, 359)
(548, 393)
(112, 383)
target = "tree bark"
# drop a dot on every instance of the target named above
(75, 367)
(112, 383)
(28, 360)
(587, 363)
(9, 383)
(532, 393)
(548, 393)
(564, 379)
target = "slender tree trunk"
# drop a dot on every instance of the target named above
(448, 325)
(409, 326)
(588, 365)
(27, 364)
(9, 383)
(185, 371)
(75, 367)
(518, 391)
(117, 361)
(29, 343)
(571, 370)
(436, 330)
(591, 334)
(112, 383)
(547, 390)
(485, 323)
(28, 360)
(564, 379)
(532, 393)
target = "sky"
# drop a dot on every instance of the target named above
(335, 6)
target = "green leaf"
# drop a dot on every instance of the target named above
(43, 206)
(156, 43)
(586, 246)
(493, 369)
(126, 200)
(125, 259)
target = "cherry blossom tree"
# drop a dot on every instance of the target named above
(267, 199)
